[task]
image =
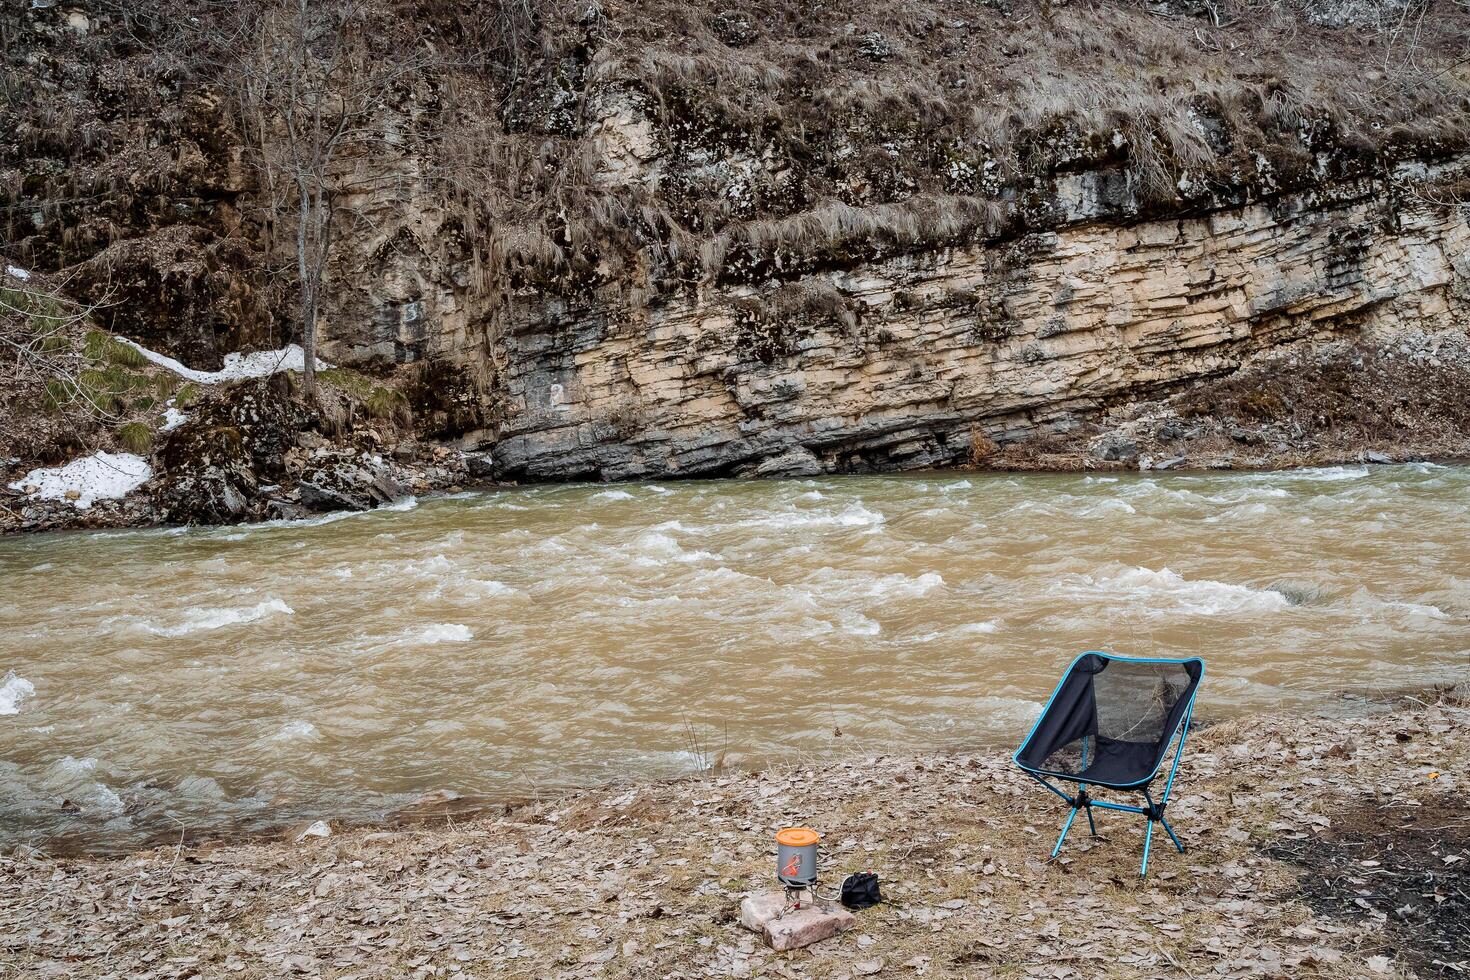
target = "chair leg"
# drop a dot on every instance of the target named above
(1090, 822)
(1065, 827)
(1148, 840)
(1172, 836)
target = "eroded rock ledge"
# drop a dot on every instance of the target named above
(914, 361)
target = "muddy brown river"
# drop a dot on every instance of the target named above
(507, 643)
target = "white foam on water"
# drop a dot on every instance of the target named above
(652, 488)
(905, 587)
(657, 543)
(443, 633)
(487, 588)
(859, 625)
(1166, 591)
(434, 567)
(13, 690)
(856, 515)
(720, 577)
(1369, 605)
(968, 629)
(466, 591)
(100, 476)
(657, 548)
(1239, 512)
(853, 515)
(199, 620)
(74, 780)
(1246, 494)
(1326, 474)
(237, 366)
(1112, 505)
(399, 505)
(987, 627)
(294, 731)
(612, 495)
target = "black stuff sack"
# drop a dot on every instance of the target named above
(860, 891)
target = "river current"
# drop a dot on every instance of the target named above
(513, 642)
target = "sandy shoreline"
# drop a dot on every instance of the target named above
(645, 880)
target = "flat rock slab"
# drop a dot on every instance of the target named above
(766, 914)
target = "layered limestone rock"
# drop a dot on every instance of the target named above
(908, 362)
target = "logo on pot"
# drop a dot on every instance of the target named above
(793, 866)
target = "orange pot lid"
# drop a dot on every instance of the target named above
(797, 837)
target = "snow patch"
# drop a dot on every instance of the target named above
(16, 272)
(238, 366)
(101, 476)
(13, 691)
(172, 419)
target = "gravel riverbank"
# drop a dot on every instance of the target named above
(1334, 848)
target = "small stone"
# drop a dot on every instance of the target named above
(794, 462)
(1373, 456)
(1171, 462)
(1115, 447)
(1172, 430)
(868, 968)
(314, 496)
(479, 465)
(875, 47)
(317, 828)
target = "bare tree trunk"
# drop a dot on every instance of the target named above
(307, 270)
(310, 89)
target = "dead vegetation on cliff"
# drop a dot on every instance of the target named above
(645, 881)
(781, 134)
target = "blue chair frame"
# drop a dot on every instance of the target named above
(1153, 812)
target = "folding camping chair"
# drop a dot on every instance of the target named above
(1109, 723)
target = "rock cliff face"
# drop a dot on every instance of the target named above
(906, 362)
(618, 239)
